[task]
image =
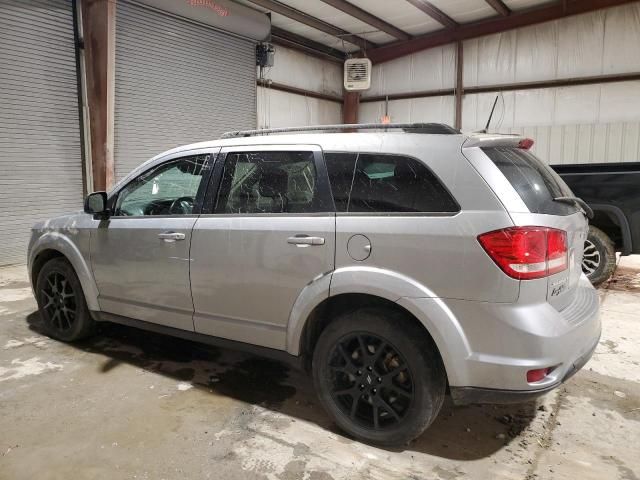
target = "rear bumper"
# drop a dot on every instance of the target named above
(494, 345)
(469, 395)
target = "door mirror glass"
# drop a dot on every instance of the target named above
(96, 203)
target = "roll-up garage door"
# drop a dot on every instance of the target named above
(40, 151)
(177, 82)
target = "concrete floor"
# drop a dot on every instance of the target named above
(134, 405)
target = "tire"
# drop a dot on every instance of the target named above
(406, 376)
(61, 302)
(599, 258)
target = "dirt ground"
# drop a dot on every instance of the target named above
(133, 405)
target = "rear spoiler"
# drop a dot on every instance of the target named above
(488, 140)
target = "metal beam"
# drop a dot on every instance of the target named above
(490, 26)
(368, 18)
(303, 44)
(313, 22)
(500, 7)
(459, 86)
(435, 13)
(297, 91)
(408, 95)
(564, 82)
(507, 87)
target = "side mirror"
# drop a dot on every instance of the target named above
(96, 204)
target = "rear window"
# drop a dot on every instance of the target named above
(378, 183)
(536, 183)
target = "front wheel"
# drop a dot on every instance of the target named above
(63, 309)
(599, 257)
(378, 376)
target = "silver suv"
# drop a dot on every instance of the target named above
(396, 265)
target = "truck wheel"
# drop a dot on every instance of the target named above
(599, 258)
(63, 309)
(378, 377)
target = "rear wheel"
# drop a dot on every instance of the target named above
(378, 377)
(599, 257)
(63, 309)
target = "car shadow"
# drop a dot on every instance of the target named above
(459, 433)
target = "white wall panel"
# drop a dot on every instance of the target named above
(431, 69)
(584, 143)
(303, 71)
(599, 43)
(490, 60)
(586, 104)
(430, 109)
(282, 109)
(536, 53)
(622, 39)
(580, 46)
(620, 101)
(295, 69)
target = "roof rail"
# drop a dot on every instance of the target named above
(433, 128)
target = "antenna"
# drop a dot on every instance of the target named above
(486, 128)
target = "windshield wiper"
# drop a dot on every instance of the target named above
(577, 201)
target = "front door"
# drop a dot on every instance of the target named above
(270, 233)
(140, 255)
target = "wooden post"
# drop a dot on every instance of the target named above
(459, 86)
(98, 21)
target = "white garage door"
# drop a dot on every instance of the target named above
(40, 152)
(177, 82)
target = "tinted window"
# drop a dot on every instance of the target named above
(169, 189)
(269, 182)
(385, 183)
(536, 183)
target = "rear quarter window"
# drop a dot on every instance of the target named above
(536, 183)
(385, 183)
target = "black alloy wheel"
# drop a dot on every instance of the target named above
(59, 301)
(372, 383)
(379, 375)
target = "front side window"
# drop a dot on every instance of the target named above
(269, 182)
(369, 182)
(169, 189)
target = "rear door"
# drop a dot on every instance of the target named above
(269, 233)
(527, 187)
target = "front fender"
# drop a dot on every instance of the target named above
(53, 240)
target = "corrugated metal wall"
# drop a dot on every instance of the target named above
(40, 152)
(582, 124)
(177, 82)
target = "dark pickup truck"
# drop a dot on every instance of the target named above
(612, 190)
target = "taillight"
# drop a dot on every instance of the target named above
(526, 253)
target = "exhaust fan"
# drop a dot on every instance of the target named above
(357, 74)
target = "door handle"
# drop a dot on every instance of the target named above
(305, 240)
(171, 236)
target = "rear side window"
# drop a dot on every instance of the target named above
(379, 183)
(270, 182)
(536, 183)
